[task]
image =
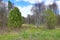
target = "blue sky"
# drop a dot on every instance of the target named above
(25, 5)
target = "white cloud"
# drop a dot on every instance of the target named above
(47, 2)
(17, 0)
(25, 10)
(33, 1)
(30, 1)
(58, 3)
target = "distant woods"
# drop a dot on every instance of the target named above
(42, 14)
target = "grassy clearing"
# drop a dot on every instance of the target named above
(33, 34)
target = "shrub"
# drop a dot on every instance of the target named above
(51, 19)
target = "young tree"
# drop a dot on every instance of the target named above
(15, 18)
(50, 19)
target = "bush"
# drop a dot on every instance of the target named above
(51, 19)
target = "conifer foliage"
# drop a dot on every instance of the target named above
(15, 18)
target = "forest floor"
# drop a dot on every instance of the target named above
(29, 32)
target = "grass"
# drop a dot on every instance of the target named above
(32, 33)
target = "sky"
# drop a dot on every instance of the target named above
(26, 5)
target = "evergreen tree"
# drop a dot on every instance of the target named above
(10, 5)
(15, 18)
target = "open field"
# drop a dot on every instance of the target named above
(31, 33)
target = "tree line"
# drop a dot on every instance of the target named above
(42, 14)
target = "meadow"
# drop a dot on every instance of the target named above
(29, 32)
